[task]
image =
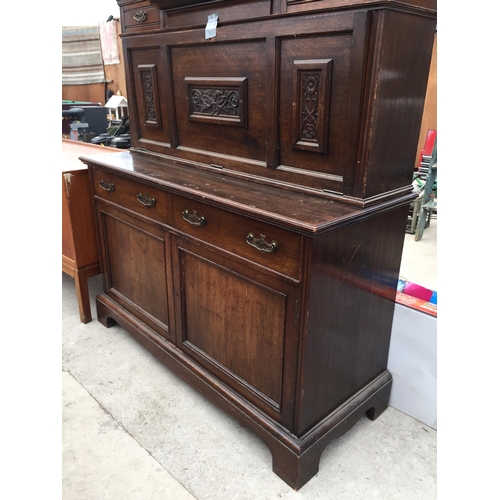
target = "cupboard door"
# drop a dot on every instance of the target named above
(136, 258)
(148, 108)
(320, 93)
(239, 324)
(220, 96)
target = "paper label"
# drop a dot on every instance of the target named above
(211, 25)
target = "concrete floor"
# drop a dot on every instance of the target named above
(134, 430)
(419, 263)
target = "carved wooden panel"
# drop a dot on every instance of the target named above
(149, 80)
(312, 82)
(148, 97)
(220, 93)
(218, 100)
(315, 86)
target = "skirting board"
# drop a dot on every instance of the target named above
(413, 364)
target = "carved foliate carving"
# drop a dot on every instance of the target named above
(312, 89)
(218, 100)
(215, 102)
(309, 111)
(149, 82)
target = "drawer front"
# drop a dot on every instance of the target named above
(141, 198)
(140, 16)
(264, 244)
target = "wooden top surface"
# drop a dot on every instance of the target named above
(302, 212)
(179, 4)
(72, 150)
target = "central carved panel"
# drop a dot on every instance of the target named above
(218, 100)
(215, 102)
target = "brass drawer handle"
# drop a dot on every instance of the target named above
(193, 218)
(261, 244)
(146, 200)
(106, 185)
(140, 16)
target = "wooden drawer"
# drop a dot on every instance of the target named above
(279, 249)
(141, 198)
(140, 16)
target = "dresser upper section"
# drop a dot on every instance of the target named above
(329, 103)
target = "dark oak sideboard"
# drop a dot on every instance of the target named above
(251, 238)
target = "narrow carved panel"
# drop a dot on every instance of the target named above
(218, 100)
(150, 92)
(312, 88)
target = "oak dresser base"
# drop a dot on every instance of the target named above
(295, 460)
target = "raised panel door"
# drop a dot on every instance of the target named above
(149, 117)
(238, 323)
(220, 95)
(320, 90)
(136, 260)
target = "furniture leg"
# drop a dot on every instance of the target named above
(102, 314)
(82, 294)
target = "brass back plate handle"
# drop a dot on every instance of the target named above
(140, 16)
(261, 244)
(146, 200)
(193, 218)
(106, 185)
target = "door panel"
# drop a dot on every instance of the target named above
(136, 268)
(315, 74)
(242, 325)
(220, 95)
(149, 91)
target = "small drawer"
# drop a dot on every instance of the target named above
(140, 16)
(141, 198)
(265, 244)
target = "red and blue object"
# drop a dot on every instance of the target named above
(430, 139)
(421, 293)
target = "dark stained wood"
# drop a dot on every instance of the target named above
(176, 4)
(304, 213)
(353, 283)
(276, 153)
(138, 16)
(228, 231)
(392, 123)
(134, 267)
(262, 142)
(222, 137)
(126, 194)
(306, 5)
(229, 11)
(149, 123)
(307, 58)
(245, 325)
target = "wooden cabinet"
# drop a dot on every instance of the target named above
(80, 255)
(251, 238)
(329, 104)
